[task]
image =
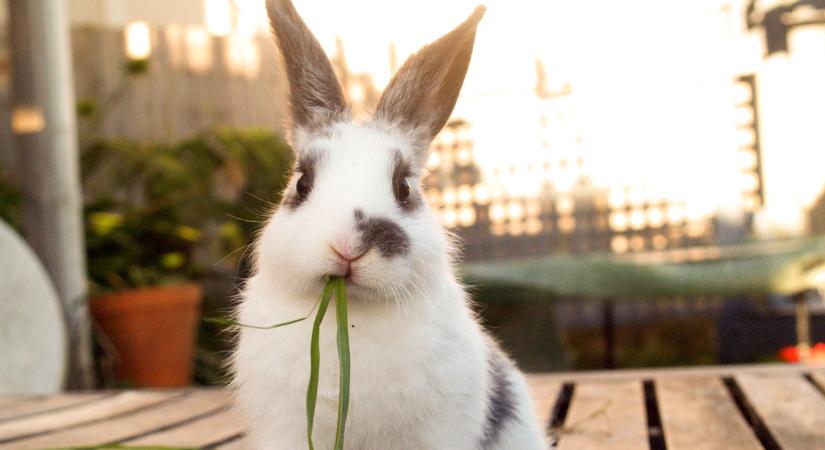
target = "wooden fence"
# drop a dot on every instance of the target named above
(192, 81)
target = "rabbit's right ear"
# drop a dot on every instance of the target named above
(422, 95)
(315, 94)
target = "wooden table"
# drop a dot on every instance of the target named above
(737, 407)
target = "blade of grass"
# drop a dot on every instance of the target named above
(315, 359)
(229, 322)
(343, 358)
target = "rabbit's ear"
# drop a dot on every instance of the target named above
(315, 94)
(421, 96)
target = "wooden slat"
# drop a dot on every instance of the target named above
(699, 414)
(167, 414)
(237, 444)
(9, 399)
(119, 404)
(199, 433)
(819, 378)
(545, 391)
(17, 400)
(679, 372)
(606, 416)
(791, 408)
(40, 405)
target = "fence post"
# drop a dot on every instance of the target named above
(43, 122)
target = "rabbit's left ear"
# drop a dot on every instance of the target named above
(315, 94)
(422, 95)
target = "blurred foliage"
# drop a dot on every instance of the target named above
(167, 213)
(663, 343)
(159, 214)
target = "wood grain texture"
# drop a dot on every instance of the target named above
(199, 433)
(50, 404)
(606, 416)
(237, 444)
(88, 412)
(819, 378)
(175, 412)
(699, 414)
(790, 406)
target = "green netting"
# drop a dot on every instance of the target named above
(760, 267)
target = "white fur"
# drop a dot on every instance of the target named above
(419, 357)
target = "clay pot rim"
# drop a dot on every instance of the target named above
(152, 297)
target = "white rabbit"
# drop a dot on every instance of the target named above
(424, 374)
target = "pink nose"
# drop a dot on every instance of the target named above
(346, 252)
(345, 256)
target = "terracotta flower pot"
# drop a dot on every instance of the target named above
(153, 332)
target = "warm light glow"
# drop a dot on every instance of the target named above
(467, 216)
(497, 213)
(198, 50)
(515, 211)
(242, 55)
(448, 196)
(356, 93)
(482, 193)
(27, 120)
(449, 217)
(138, 41)
(515, 228)
(465, 194)
(637, 219)
(659, 242)
(650, 115)
(637, 243)
(218, 17)
(618, 221)
(565, 205)
(251, 17)
(433, 160)
(619, 244)
(655, 217)
(533, 226)
(464, 157)
(567, 224)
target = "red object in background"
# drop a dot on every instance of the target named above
(791, 353)
(153, 333)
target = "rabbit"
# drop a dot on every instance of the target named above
(424, 374)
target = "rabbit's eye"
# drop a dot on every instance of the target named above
(304, 183)
(402, 190)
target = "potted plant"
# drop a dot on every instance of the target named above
(160, 222)
(144, 297)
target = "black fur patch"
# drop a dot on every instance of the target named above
(307, 167)
(402, 170)
(500, 404)
(383, 234)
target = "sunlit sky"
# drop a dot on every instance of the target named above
(652, 98)
(651, 80)
(652, 102)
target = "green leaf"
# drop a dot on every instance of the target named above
(172, 260)
(343, 359)
(315, 359)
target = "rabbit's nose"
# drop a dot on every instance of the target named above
(343, 263)
(347, 252)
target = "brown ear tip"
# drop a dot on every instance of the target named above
(477, 14)
(276, 7)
